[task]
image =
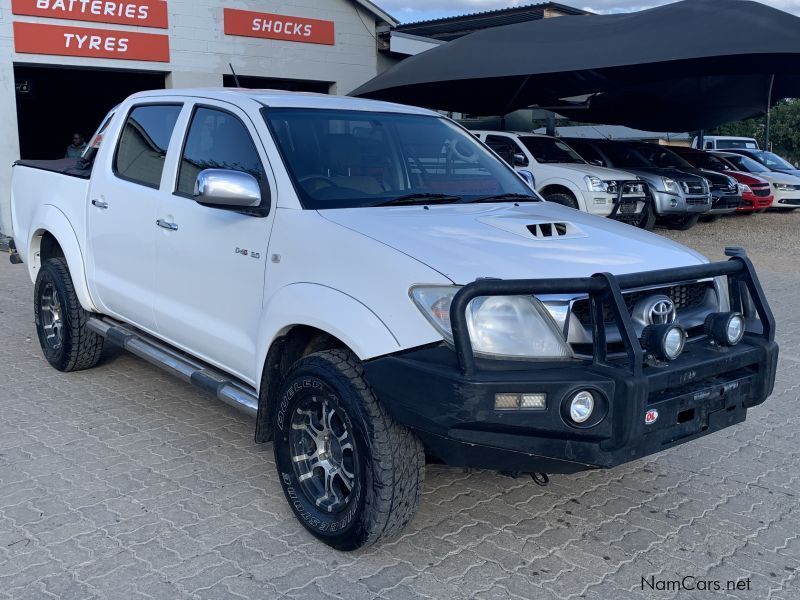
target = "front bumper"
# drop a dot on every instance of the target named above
(751, 202)
(672, 205)
(448, 397)
(724, 204)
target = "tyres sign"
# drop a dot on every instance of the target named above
(278, 27)
(61, 40)
(146, 13)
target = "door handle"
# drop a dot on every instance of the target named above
(167, 225)
(100, 204)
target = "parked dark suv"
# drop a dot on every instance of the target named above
(680, 198)
(724, 189)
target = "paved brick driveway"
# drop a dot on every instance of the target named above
(122, 482)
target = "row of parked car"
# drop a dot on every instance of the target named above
(645, 183)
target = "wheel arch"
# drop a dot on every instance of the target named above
(559, 186)
(52, 236)
(306, 318)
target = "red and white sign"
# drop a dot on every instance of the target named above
(60, 40)
(147, 13)
(651, 416)
(278, 27)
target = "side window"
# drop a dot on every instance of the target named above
(709, 145)
(588, 153)
(505, 147)
(143, 144)
(217, 140)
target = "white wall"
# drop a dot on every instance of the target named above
(200, 54)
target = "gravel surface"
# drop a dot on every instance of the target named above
(772, 239)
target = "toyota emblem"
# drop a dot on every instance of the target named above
(661, 311)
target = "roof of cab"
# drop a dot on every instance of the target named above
(284, 99)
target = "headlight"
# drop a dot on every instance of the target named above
(595, 184)
(671, 186)
(745, 189)
(499, 326)
(785, 187)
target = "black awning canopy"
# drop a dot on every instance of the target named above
(689, 65)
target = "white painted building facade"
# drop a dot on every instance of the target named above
(60, 60)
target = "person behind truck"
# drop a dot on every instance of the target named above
(76, 148)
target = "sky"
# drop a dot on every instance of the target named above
(419, 10)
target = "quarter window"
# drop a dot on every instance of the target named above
(143, 144)
(217, 140)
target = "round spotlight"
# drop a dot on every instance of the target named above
(581, 407)
(726, 329)
(665, 342)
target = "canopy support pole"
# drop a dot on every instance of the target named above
(551, 123)
(767, 119)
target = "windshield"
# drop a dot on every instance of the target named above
(346, 159)
(662, 157)
(548, 150)
(622, 156)
(748, 165)
(773, 161)
(743, 143)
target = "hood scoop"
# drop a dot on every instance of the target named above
(540, 230)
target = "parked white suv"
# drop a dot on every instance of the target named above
(562, 176)
(725, 142)
(373, 285)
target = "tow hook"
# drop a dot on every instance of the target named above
(541, 479)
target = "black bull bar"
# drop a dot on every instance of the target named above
(746, 297)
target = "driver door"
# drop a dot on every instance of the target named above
(211, 262)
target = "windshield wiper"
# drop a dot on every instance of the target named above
(502, 197)
(421, 198)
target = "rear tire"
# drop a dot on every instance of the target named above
(66, 341)
(563, 199)
(683, 223)
(351, 474)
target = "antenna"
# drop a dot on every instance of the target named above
(235, 76)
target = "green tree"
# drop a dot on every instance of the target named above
(785, 129)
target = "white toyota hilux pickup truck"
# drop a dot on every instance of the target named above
(377, 287)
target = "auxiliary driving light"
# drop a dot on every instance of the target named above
(581, 407)
(520, 401)
(726, 329)
(665, 342)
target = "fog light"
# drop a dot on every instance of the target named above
(665, 342)
(534, 401)
(726, 329)
(581, 406)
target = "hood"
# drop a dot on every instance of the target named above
(747, 178)
(652, 173)
(794, 172)
(603, 173)
(778, 177)
(715, 178)
(468, 242)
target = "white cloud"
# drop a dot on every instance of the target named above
(412, 10)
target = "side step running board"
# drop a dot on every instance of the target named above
(188, 369)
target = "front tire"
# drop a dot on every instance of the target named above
(563, 199)
(351, 474)
(66, 341)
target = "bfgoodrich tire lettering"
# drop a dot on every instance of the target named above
(325, 397)
(67, 343)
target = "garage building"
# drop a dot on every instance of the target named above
(64, 63)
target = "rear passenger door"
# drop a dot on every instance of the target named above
(210, 267)
(124, 195)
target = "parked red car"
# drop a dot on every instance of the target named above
(756, 192)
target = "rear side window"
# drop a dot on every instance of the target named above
(143, 144)
(217, 140)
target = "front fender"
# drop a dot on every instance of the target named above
(329, 310)
(50, 219)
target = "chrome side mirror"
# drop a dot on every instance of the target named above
(529, 178)
(520, 160)
(596, 163)
(226, 187)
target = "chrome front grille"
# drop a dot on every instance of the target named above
(694, 188)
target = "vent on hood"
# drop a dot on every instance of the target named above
(549, 230)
